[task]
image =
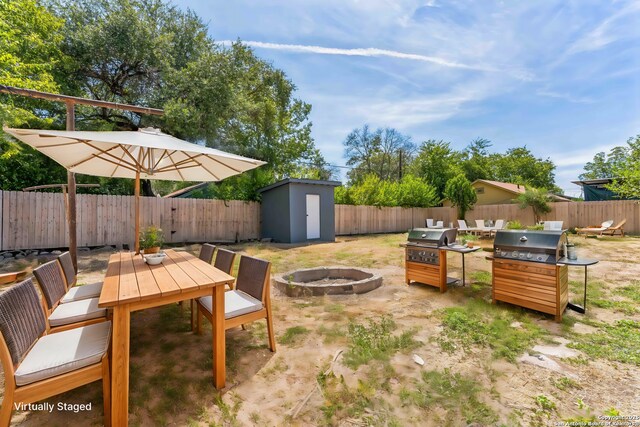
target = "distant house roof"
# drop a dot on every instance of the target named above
(507, 186)
(300, 181)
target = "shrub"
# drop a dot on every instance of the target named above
(514, 225)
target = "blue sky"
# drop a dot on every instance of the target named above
(559, 76)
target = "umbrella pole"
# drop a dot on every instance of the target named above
(137, 219)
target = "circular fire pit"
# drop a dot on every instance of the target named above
(327, 281)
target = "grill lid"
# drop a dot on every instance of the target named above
(529, 239)
(431, 236)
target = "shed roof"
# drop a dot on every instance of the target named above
(300, 181)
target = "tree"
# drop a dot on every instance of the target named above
(627, 171)
(436, 163)
(383, 152)
(537, 200)
(519, 166)
(416, 193)
(461, 194)
(476, 162)
(603, 165)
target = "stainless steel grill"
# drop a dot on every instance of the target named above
(432, 238)
(529, 245)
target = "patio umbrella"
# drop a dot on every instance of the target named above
(147, 153)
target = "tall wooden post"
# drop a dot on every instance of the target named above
(137, 218)
(71, 194)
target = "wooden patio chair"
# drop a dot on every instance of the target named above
(36, 365)
(594, 229)
(75, 292)
(611, 231)
(68, 315)
(206, 252)
(248, 302)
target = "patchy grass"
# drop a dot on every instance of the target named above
(375, 341)
(333, 333)
(293, 335)
(482, 324)
(360, 402)
(619, 342)
(600, 296)
(565, 383)
(631, 292)
(453, 392)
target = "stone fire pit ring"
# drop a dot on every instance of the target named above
(327, 281)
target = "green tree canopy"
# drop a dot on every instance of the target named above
(627, 171)
(461, 194)
(409, 192)
(383, 152)
(519, 166)
(536, 199)
(604, 165)
(436, 163)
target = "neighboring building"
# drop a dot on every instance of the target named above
(501, 193)
(298, 210)
(595, 190)
(494, 192)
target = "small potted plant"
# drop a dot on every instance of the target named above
(151, 239)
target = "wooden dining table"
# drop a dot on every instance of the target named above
(131, 284)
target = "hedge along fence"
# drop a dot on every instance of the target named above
(30, 220)
(369, 219)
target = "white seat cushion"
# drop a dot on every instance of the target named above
(236, 303)
(78, 293)
(64, 352)
(76, 311)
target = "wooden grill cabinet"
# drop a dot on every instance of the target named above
(425, 262)
(525, 271)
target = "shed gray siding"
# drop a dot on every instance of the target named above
(298, 214)
(275, 214)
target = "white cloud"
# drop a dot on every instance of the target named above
(565, 96)
(370, 51)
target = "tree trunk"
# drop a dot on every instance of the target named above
(147, 191)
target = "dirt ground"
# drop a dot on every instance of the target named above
(302, 384)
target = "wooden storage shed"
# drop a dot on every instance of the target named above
(298, 210)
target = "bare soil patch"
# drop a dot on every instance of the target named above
(461, 383)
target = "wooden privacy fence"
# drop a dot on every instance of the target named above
(31, 220)
(370, 219)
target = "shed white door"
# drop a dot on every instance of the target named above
(313, 216)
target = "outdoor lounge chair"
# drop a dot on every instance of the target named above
(499, 225)
(552, 225)
(76, 293)
(37, 366)
(68, 315)
(206, 252)
(463, 228)
(595, 229)
(429, 223)
(249, 301)
(481, 230)
(619, 227)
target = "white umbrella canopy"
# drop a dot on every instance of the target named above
(147, 153)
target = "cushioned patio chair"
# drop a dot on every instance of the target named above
(206, 252)
(611, 231)
(74, 292)
(595, 229)
(37, 366)
(71, 314)
(463, 227)
(249, 301)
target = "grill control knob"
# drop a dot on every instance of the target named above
(514, 254)
(539, 257)
(529, 255)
